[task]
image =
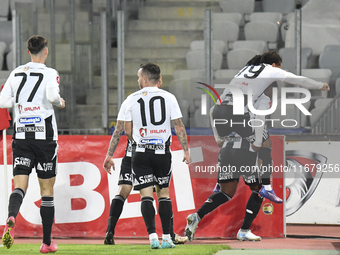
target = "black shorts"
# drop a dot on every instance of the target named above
(125, 176)
(40, 154)
(150, 169)
(234, 163)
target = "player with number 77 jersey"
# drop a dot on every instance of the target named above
(33, 89)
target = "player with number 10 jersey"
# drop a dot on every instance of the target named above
(151, 111)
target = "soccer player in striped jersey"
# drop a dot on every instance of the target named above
(148, 125)
(242, 144)
(32, 90)
(125, 179)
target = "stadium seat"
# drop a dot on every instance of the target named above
(225, 75)
(201, 120)
(332, 48)
(275, 17)
(6, 33)
(196, 60)
(226, 31)
(218, 46)
(2, 54)
(181, 89)
(4, 10)
(9, 60)
(316, 112)
(317, 74)
(188, 74)
(262, 30)
(235, 17)
(3, 76)
(245, 7)
(288, 56)
(238, 58)
(260, 46)
(331, 60)
(337, 86)
(282, 6)
(322, 102)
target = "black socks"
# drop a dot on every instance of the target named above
(47, 217)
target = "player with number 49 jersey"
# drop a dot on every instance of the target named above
(33, 89)
(151, 111)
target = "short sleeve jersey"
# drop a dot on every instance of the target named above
(34, 116)
(151, 111)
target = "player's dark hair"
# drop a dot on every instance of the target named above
(36, 44)
(269, 57)
(152, 71)
(256, 60)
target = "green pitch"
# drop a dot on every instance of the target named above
(121, 249)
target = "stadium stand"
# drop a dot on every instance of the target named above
(274, 17)
(330, 60)
(187, 74)
(245, 7)
(238, 58)
(218, 46)
(226, 31)
(195, 60)
(318, 74)
(235, 17)
(289, 58)
(290, 114)
(260, 46)
(262, 30)
(4, 10)
(282, 6)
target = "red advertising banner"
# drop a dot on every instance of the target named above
(83, 193)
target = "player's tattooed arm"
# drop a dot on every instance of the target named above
(182, 137)
(108, 161)
(115, 138)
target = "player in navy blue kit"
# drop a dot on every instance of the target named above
(242, 146)
(32, 90)
(147, 125)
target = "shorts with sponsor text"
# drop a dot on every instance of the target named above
(41, 154)
(125, 176)
(150, 169)
(234, 163)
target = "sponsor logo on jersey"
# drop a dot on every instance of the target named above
(26, 68)
(151, 141)
(144, 93)
(58, 80)
(21, 161)
(32, 109)
(30, 120)
(143, 132)
(30, 129)
(20, 108)
(159, 131)
(268, 208)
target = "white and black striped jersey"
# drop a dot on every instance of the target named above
(151, 110)
(258, 78)
(32, 89)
